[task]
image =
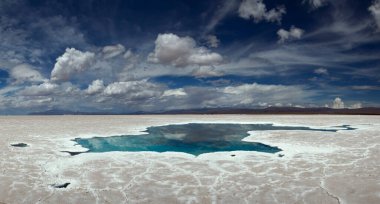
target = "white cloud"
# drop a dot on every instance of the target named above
(270, 94)
(45, 96)
(227, 7)
(95, 87)
(133, 90)
(44, 89)
(174, 92)
(206, 72)
(178, 51)
(356, 106)
(375, 11)
(321, 71)
(293, 33)
(71, 62)
(111, 63)
(143, 95)
(28, 102)
(256, 10)
(278, 104)
(254, 88)
(338, 103)
(365, 87)
(128, 54)
(111, 51)
(212, 41)
(19, 43)
(26, 73)
(316, 3)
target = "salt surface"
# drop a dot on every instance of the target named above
(317, 168)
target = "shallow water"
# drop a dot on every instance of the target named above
(192, 138)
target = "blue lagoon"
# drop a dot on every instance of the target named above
(192, 138)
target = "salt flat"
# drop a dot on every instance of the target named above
(317, 167)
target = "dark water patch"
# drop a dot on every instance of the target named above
(192, 138)
(345, 127)
(19, 145)
(73, 153)
(64, 185)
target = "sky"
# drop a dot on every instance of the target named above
(125, 56)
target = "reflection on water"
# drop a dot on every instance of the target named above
(192, 138)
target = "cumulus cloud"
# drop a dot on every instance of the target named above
(171, 49)
(356, 106)
(338, 103)
(246, 94)
(254, 88)
(111, 63)
(111, 51)
(212, 41)
(44, 89)
(71, 62)
(95, 87)
(321, 71)
(45, 96)
(28, 102)
(133, 90)
(144, 95)
(25, 73)
(202, 72)
(256, 10)
(293, 33)
(375, 11)
(174, 92)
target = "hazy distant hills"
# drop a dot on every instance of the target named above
(280, 110)
(270, 110)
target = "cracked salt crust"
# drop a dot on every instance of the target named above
(317, 167)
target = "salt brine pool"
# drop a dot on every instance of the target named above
(192, 138)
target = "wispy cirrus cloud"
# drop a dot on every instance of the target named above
(375, 12)
(316, 3)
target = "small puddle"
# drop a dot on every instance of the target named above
(19, 145)
(64, 185)
(73, 153)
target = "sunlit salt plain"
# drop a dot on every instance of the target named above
(314, 167)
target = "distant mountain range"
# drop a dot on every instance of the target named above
(269, 110)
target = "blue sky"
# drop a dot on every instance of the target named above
(127, 56)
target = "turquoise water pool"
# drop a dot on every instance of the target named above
(192, 138)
